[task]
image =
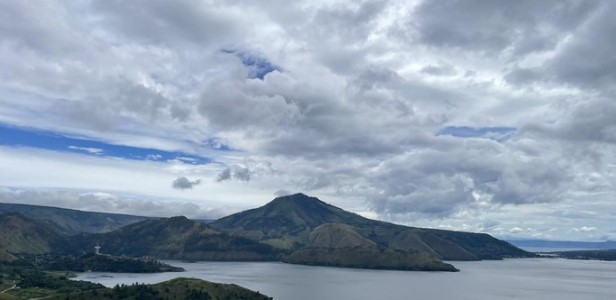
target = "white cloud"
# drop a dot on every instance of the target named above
(351, 115)
(87, 149)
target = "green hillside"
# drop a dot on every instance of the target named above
(369, 258)
(179, 288)
(289, 221)
(173, 238)
(19, 235)
(104, 263)
(70, 221)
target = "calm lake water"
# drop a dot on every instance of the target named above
(538, 278)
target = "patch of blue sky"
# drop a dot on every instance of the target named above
(499, 134)
(25, 137)
(258, 66)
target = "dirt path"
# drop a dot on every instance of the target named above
(14, 286)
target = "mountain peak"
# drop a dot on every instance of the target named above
(287, 214)
(295, 197)
(298, 199)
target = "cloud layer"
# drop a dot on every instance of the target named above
(452, 114)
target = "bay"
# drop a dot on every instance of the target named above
(537, 278)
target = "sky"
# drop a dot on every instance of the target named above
(478, 115)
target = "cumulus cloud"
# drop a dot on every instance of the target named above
(183, 183)
(351, 108)
(518, 27)
(235, 172)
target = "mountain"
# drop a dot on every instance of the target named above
(69, 221)
(20, 235)
(173, 238)
(292, 222)
(286, 222)
(369, 258)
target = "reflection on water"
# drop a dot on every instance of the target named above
(509, 279)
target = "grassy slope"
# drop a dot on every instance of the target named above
(288, 221)
(19, 235)
(174, 238)
(369, 258)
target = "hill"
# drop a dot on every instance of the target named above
(290, 221)
(369, 258)
(179, 288)
(604, 254)
(19, 235)
(69, 221)
(105, 263)
(172, 238)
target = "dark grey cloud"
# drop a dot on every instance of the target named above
(224, 175)
(443, 182)
(162, 22)
(518, 27)
(585, 60)
(183, 183)
(234, 172)
(242, 174)
(442, 69)
(587, 121)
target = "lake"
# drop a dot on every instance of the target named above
(537, 278)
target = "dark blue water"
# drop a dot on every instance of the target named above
(539, 279)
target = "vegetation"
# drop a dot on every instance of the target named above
(105, 263)
(179, 288)
(21, 235)
(608, 254)
(173, 238)
(30, 282)
(369, 258)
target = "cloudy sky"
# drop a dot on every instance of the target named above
(492, 116)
